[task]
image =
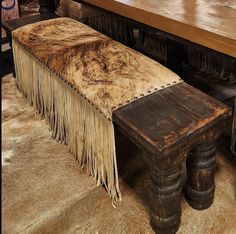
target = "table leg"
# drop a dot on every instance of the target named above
(165, 199)
(200, 176)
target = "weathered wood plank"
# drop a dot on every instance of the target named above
(169, 115)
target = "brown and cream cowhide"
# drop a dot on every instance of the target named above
(43, 190)
(107, 73)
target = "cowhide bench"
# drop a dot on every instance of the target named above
(85, 84)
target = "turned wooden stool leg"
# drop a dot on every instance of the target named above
(200, 176)
(165, 199)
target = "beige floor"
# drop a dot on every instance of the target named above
(45, 192)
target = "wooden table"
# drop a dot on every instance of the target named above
(210, 23)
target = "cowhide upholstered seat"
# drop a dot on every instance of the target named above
(86, 85)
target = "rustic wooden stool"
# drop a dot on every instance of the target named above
(172, 125)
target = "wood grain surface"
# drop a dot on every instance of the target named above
(169, 116)
(210, 23)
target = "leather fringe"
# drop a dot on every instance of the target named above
(72, 120)
(212, 63)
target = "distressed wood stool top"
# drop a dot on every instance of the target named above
(170, 117)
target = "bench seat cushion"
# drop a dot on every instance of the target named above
(107, 73)
(76, 77)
